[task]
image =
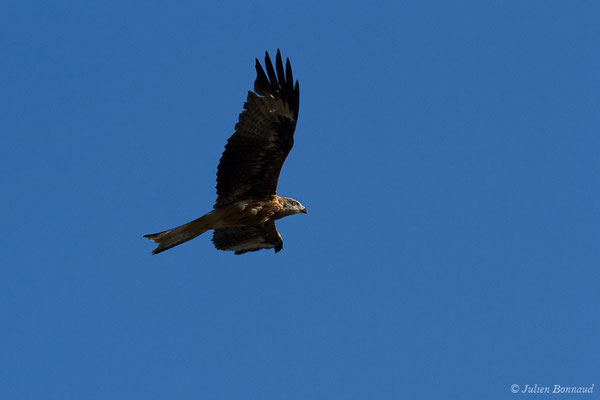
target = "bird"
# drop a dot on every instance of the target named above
(247, 206)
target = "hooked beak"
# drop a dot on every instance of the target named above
(304, 211)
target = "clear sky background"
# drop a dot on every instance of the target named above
(447, 152)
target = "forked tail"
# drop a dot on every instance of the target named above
(181, 234)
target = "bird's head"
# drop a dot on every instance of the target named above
(291, 207)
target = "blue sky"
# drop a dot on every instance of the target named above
(447, 153)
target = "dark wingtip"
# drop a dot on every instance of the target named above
(289, 77)
(270, 71)
(277, 79)
(261, 84)
(278, 247)
(280, 71)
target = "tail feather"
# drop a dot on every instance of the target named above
(181, 234)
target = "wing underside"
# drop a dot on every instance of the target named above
(248, 238)
(264, 136)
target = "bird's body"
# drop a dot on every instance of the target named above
(247, 202)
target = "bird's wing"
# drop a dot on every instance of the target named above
(264, 136)
(248, 238)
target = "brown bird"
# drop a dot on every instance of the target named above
(247, 203)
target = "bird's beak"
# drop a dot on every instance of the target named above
(304, 211)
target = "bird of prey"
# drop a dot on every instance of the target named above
(243, 218)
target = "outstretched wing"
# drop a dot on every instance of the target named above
(264, 136)
(248, 238)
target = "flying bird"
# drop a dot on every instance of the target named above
(243, 217)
